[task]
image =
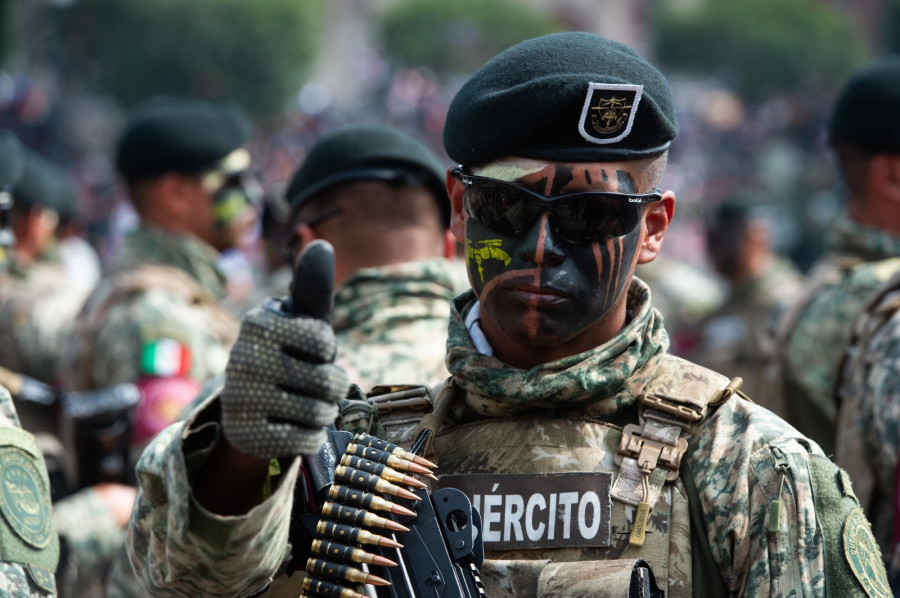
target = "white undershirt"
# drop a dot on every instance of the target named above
(473, 323)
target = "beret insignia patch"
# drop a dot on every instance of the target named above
(608, 112)
(863, 556)
(21, 491)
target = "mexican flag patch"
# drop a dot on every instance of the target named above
(165, 357)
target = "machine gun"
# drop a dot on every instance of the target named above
(419, 544)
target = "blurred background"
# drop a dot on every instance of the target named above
(753, 80)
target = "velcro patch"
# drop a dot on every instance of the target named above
(864, 557)
(529, 511)
(22, 497)
(608, 112)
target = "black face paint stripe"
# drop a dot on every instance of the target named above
(587, 176)
(625, 183)
(562, 176)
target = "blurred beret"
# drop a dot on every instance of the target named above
(175, 135)
(39, 183)
(368, 151)
(571, 96)
(11, 160)
(867, 109)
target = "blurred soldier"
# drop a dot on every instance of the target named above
(38, 305)
(738, 338)
(155, 318)
(29, 545)
(563, 400)
(864, 252)
(865, 132)
(377, 195)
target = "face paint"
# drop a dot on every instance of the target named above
(540, 289)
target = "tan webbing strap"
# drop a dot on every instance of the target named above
(650, 452)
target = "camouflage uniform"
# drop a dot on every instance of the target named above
(28, 542)
(123, 315)
(164, 286)
(37, 311)
(814, 332)
(742, 460)
(36, 314)
(392, 321)
(868, 438)
(738, 338)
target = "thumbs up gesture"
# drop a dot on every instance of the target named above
(282, 386)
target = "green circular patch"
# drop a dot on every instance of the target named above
(22, 498)
(864, 557)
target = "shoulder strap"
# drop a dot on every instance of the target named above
(881, 305)
(827, 273)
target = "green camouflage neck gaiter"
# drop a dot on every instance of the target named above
(846, 236)
(607, 378)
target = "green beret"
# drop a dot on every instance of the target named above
(11, 161)
(176, 135)
(572, 96)
(368, 151)
(867, 110)
(38, 184)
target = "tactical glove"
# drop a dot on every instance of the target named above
(281, 385)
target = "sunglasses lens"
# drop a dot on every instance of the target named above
(583, 218)
(504, 208)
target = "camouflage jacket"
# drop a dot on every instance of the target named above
(29, 546)
(392, 321)
(814, 332)
(37, 310)
(155, 313)
(743, 459)
(738, 337)
(868, 435)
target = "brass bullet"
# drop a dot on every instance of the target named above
(320, 587)
(343, 552)
(334, 570)
(352, 534)
(346, 514)
(368, 481)
(366, 500)
(391, 475)
(384, 445)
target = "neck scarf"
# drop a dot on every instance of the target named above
(606, 378)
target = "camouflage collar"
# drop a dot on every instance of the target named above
(148, 244)
(370, 290)
(608, 378)
(848, 237)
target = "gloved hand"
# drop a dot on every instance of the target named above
(281, 385)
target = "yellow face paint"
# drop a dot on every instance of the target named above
(489, 249)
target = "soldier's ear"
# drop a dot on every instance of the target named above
(656, 221)
(455, 190)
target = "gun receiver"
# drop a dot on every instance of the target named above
(418, 544)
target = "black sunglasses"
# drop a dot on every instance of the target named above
(581, 217)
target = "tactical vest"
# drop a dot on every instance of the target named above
(569, 502)
(852, 451)
(126, 284)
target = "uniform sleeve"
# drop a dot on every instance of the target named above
(176, 547)
(780, 518)
(155, 333)
(869, 428)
